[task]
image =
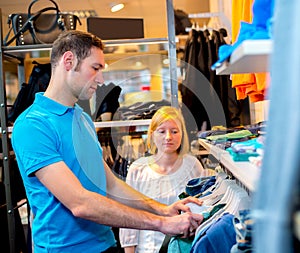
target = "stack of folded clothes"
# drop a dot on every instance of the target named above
(224, 137)
(220, 130)
(140, 110)
(245, 143)
(242, 151)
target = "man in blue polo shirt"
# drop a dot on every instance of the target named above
(74, 197)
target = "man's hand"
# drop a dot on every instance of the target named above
(183, 225)
(180, 206)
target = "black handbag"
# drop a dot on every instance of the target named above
(41, 27)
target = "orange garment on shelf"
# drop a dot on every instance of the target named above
(252, 85)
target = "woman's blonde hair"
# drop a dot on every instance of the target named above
(162, 115)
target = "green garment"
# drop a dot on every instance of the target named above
(230, 136)
(180, 245)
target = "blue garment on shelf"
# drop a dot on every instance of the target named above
(259, 29)
(241, 151)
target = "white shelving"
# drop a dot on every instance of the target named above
(118, 123)
(252, 56)
(123, 123)
(20, 51)
(245, 172)
(9, 129)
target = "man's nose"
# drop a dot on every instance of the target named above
(99, 78)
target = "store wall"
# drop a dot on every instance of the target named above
(152, 11)
(223, 7)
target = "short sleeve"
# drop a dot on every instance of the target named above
(130, 237)
(35, 144)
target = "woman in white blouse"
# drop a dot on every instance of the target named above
(161, 176)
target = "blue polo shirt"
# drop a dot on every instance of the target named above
(46, 133)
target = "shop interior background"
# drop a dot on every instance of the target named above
(153, 12)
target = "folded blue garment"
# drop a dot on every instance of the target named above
(247, 32)
(243, 150)
(199, 185)
(259, 29)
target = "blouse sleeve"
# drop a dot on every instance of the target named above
(130, 237)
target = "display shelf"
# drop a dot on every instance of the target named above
(123, 123)
(9, 129)
(252, 56)
(205, 15)
(200, 152)
(11, 153)
(22, 50)
(213, 150)
(144, 41)
(117, 123)
(245, 172)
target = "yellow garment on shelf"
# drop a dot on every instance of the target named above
(218, 127)
(253, 85)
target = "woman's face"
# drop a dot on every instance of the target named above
(167, 136)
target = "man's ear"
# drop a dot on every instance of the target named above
(68, 60)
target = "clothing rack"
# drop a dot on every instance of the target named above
(220, 14)
(238, 182)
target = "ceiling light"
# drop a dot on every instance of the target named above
(116, 7)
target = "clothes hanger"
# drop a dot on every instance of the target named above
(242, 202)
(236, 199)
(219, 190)
(141, 148)
(104, 152)
(219, 178)
(229, 194)
(109, 154)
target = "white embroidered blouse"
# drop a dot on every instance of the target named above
(161, 187)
